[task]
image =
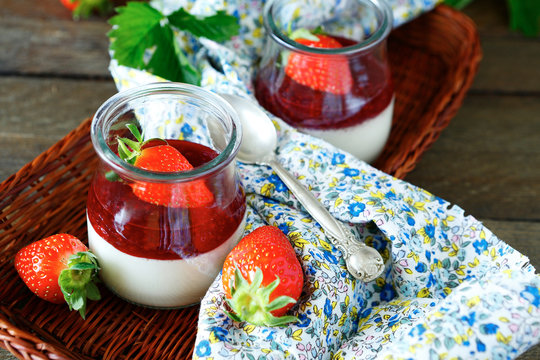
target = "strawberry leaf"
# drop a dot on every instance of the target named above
(137, 29)
(251, 301)
(458, 4)
(86, 7)
(135, 131)
(525, 16)
(77, 281)
(143, 38)
(218, 27)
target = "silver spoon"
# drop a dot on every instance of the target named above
(258, 146)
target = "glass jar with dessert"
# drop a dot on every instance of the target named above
(324, 70)
(165, 205)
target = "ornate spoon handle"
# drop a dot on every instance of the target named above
(363, 262)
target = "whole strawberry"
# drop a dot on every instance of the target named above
(59, 268)
(162, 158)
(83, 8)
(262, 278)
(328, 73)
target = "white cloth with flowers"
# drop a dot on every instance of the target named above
(450, 289)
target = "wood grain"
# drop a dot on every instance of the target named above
(36, 113)
(487, 159)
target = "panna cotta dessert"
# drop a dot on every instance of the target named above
(163, 213)
(158, 282)
(364, 140)
(332, 78)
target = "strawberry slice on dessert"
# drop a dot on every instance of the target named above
(59, 269)
(162, 157)
(328, 73)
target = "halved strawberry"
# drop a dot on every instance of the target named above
(162, 158)
(262, 278)
(323, 72)
(59, 268)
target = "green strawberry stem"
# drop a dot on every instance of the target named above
(128, 149)
(87, 7)
(251, 302)
(78, 281)
(304, 33)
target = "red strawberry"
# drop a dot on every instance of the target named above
(262, 278)
(59, 268)
(83, 8)
(162, 158)
(329, 73)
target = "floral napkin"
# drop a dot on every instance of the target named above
(450, 289)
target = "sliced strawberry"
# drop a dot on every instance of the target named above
(59, 268)
(323, 72)
(262, 278)
(162, 158)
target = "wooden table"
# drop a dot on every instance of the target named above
(53, 74)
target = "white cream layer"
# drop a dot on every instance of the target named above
(365, 140)
(159, 283)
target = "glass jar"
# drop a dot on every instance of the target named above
(341, 92)
(162, 237)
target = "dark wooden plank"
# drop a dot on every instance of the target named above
(510, 61)
(35, 113)
(487, 159)
(45, 40)
(491, 17)
(509, 65)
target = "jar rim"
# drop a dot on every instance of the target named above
(383, 12)
(112, 105)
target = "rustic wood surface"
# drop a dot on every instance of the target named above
(53, 74)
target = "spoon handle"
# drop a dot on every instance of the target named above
(329, 223)
(363, 262)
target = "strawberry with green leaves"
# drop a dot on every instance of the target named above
(262, 278)
(328, 73)
(60, 269)
(162, 158)
(83, 8)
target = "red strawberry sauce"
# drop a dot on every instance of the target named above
(142, 229)
(304, 107)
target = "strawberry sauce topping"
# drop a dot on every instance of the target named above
(304, 105)
(144, 229)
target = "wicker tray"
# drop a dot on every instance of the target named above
(434, 59)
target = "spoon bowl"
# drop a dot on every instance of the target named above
(259, 139)
(259, 142)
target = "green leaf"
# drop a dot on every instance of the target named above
(83, 266)
(142, 39)
(92, 292)
(458, 4)
(525, 16)
(250, 301)
(303, 33)
(87, 7)
(218, 27)
(77, 281)
(135, 131)
(136, 28)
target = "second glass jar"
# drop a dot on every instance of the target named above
(337, 85)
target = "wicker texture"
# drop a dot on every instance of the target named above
(434, 59)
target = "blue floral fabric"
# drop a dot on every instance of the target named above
(450, 288)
